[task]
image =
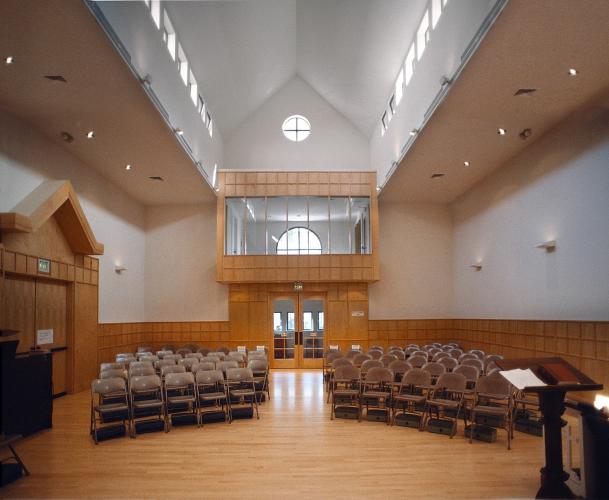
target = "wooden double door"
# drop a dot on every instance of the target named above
(297, 322)
(34, 305)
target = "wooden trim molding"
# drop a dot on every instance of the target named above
(56, 198)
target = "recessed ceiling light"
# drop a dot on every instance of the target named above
(466, 163)
(90, 134)
(501, 131)
(128, 167)
(572, 72)
(9, 60)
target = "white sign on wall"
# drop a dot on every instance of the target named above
(240, 348)
(44, 336)
(356, 347)
(334, 347)
(358, 314)
(260, 348)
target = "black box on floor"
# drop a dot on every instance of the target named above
(110, 432)
(408, 420)
(482, 433)
(246, 412)
(149, 426)
(463, 413)
(348, 412)
(116, 416)
(213, 416)
(376, 415)
(344, 400)
(9, 473)
(440, 426)
(522, 414)
(529, 426)
(490, 420)
(188, 419)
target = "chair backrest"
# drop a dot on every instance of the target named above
(168, 347)
(175, 357)
(478, 353)
(141, 371)
(371, 363)
(341, 362)
(455, 353)
(433, 351)
(178, 380)
(162, 354)
(144, 348)
(417, 361)
(258, 365)
(347, 372)
(239, 375)
(491, 358)
(204, 366)
(360, 358)
(394, 348)
(111, 366)
(223, 349)
(165, 370)
(144, 383)
(376, 348)
(164, 362)
(416, 377)
(471, 373)
(409, 351)
(439, 355)
(436, 369)
(467, 355)
(196, 355)
(209, 377)
(109, 385)
(495, 372)
(449, 363)
(188, 362)
(473, 362)
(332, 355)
(126, 360)
(398, 353)
(204, 350)
(452, 381)
(125, 355)
(352, 353)
(420, 352)
(496, 386)
(227, 365)
(258, 355)
(183, 351)
(375, 353)
(453, 344)
(379, 375)
(217, 354)
(387, 359)
(143, 354)
(192, 347)
(447, 348)
(399, 366)
(114, 373)
(239, 357)
(152, 359)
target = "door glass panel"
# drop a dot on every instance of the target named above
(313, 337)
(283, 328)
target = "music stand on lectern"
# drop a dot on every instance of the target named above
(561, 377)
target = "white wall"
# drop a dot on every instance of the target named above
(558, 188)
(27, 158)
(416, 260)
(181, 265)
(334, 143)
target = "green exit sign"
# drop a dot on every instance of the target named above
(44, 266)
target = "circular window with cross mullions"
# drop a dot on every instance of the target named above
(296, 128)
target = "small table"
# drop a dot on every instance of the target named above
(6, 441)
(561, 378)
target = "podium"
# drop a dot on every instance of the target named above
(560, 377)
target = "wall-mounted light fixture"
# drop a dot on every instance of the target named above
(548, 246)
(118, 269)
(477, 266)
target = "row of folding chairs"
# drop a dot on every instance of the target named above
(448, 399)
(146, 398)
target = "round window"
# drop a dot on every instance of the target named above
(296, 128)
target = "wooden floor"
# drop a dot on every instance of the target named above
(294, 450)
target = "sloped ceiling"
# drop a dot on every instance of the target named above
(349, 51)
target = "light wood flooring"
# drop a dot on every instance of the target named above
(293, 451)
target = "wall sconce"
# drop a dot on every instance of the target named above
(119, 269)
(548, 246)
(476, 267)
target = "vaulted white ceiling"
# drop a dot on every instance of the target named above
(349, 51)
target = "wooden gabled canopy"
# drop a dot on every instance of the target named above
(56, 198)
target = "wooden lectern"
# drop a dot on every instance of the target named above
(561, 378)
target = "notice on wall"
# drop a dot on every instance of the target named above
(356, 347)
(44, 336)
(358, 314)
(334, 347)
(241, 348)
(260, 348)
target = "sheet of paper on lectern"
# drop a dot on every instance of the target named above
(520, 378)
